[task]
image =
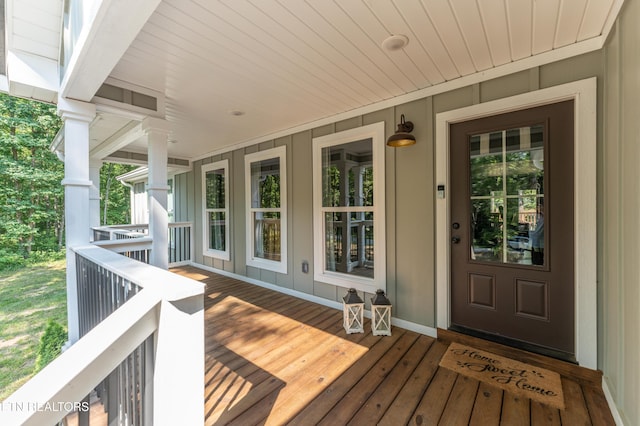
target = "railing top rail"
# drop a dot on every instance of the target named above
(172, 286)
(123, 227)
(84, 364)
(179, 224)
(131, 244)
(129, 226)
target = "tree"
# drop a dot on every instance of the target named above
(31, 197)
(115, 207)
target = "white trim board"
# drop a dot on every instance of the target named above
(407, 325)
(584, 94)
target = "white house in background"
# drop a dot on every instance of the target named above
(271, 118)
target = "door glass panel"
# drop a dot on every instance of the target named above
(507, 196)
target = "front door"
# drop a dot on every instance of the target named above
(512, 228)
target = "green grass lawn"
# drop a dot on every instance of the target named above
(29, 298)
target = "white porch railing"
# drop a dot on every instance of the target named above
(118, 232)
(133, 241)
(142, 349)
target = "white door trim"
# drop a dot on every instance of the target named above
(584, 93)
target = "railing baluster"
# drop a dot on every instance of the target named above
(100, 293)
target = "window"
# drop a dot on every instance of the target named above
(215, 207)
(266, 195)
(349, 223)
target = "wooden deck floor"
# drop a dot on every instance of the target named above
(274, 359)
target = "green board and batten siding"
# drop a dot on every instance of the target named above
(619, 215)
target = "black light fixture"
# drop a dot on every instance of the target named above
(402, 136)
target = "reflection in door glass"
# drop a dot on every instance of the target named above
(507, 196)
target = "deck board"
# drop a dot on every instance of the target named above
(383, 397)
(487, 405)
(276, 359)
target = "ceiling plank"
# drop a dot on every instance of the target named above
(545, 23)
(519, 18)
(469, 21)
(594, 19)
(569, 21)
(447, 27)
(494, 14)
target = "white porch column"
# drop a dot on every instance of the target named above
(157, 132)
(94, 193)
(77, 116)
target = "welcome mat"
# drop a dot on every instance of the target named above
(538, 384)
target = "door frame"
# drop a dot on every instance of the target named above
(584, 94)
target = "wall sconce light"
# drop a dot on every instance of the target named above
(402, 136)
(380, 315)
(353, 311)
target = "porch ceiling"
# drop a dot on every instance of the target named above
(286, 63)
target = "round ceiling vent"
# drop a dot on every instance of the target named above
(395, 42)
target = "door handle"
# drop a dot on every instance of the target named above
(455, 240)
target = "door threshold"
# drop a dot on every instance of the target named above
(515, 343)
(564, 368)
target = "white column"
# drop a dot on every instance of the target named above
(157, 132)
(77, 116)
(94, 193)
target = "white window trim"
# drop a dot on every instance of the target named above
(271, 265)
(206, 251)
(375, 132)
(584, 94)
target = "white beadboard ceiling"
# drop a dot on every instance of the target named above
(285, 63)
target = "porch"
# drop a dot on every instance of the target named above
(275, 359)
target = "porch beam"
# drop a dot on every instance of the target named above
(77, 117)
(123, 137)
(157, 132)
(106, 36)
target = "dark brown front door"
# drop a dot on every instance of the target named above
(512, 228)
